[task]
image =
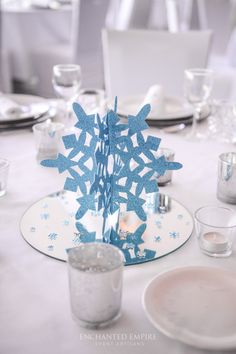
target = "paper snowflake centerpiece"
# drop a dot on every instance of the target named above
(110, 164)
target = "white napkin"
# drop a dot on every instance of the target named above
(9, 108)
(40, 3)
(155, 97)
(45, 4)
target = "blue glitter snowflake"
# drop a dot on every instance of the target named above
(44, 216)
(158, 224)
(174, 234)
(51, 248)
(76, 240)
(130, 245)
(157, 238)
(110, 163)
(52, 236)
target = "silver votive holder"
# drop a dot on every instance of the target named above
(169, 156)
(226, 184)
(95, 280)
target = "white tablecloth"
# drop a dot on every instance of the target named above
(35, 313)
(26, 29)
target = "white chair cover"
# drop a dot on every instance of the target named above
(135, 59)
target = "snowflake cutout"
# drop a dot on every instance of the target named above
(174, 234)
(52, 236)
(158, 224)
(110, 163)
(44, 216)
(50, 248)
(76, 240)
(157, 238)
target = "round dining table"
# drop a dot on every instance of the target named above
(34, 297)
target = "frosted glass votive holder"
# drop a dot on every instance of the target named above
(48, 139)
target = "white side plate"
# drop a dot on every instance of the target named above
(195, 305)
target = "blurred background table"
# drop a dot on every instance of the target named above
(35, 39)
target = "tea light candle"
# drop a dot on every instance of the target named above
(214, 242)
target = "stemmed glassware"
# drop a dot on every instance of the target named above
(197, 88)
(66, 81)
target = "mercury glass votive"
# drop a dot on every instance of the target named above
(169, 156)
(226, 184)
(95, 279)
(216, 230)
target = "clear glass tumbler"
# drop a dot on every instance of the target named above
(66, 80)
(95, 279)
(197, 89)
(216, 230)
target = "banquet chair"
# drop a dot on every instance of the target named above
(125, 14)
(224, 67)
(5, 80)
(136, 59)
(84, 47)
(225, 11)
(179, 14)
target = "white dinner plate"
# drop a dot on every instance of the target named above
(195, 305)
(23, 125)
(174, 108)
(33, 108)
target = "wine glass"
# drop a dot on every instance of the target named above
(197, 87)
(66, 81)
